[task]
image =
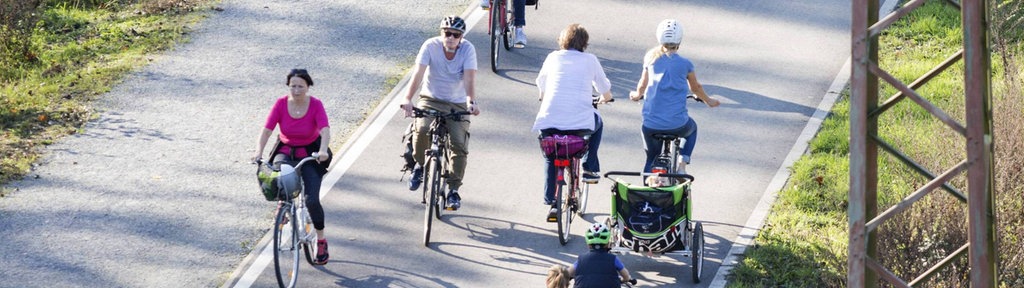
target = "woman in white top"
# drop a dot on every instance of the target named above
(566, 82)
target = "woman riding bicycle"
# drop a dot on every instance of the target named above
(565, 81)
(665, 82)
(304, 129)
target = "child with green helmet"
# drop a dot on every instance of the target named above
(599, 267)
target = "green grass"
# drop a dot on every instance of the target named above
(75, 51)
(804, 240)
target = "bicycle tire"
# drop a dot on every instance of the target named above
(564, 213)
(286, 250)
(434, 172)
(496, 35)
(582, 195)
(309, 243)
(508, 25)
(697, 252)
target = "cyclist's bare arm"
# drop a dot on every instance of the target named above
(624, 275)
(640, 86)
(325, 141)
(469, 77)
(262, 143)
(417, 79)
(698, 90)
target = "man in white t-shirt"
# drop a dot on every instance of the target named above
(446, 69)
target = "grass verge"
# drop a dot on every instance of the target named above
(805, 239)
(59, 55)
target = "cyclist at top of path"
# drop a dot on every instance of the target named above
(446, 69)
(599, 267)
(665, 82)
(519, 9)
(304, 129)
(566, 81)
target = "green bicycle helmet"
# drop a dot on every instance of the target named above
(598, 234)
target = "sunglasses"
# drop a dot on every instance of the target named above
(455, 35)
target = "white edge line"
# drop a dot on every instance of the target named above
(753, 225)
(349, 152)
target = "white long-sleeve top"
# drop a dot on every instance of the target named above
(566, 80)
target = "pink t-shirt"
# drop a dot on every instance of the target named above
(297, 131)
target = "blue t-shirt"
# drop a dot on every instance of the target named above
(667, 87)
(597, 269)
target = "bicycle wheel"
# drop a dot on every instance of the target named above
(286, 247)
(434, 172)
(507, 26)
(308, 236)
(697, 252)
(496, 34)
(564, 213)
(582, 194)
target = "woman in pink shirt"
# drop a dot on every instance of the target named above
(303, 126)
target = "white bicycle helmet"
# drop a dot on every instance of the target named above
(669, 32)
(453, 22)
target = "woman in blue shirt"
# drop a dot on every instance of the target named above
(665, 82)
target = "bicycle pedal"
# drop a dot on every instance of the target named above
(552, 216)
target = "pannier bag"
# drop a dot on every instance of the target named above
(278, 184)
(562, 146)
(410, 162)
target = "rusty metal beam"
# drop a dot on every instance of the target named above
(980, 145)
(913, 197)
(919, 82)
(863, 152)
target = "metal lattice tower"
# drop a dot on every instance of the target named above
(864, 268)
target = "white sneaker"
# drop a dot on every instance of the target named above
(485, 4)
(520, 37)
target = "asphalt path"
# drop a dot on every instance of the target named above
(156, 191)
(774, 65)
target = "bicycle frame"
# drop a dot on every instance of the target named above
(298, 229)
(436, 170)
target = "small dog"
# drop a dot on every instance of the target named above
(558, 277)
(655, 180)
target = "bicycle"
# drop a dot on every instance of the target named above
(571, 196)
(290, 235)
(501, 28)
(668, 160)
(436, 170)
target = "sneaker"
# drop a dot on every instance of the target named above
(520, 37)
(321, 252)
(681, 167)
(591, 177)
(485, 4)
(454, 201)
(416, 179)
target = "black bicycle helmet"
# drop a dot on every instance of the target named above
(454, 22)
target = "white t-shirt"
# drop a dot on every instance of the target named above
(567, 80)
(443, 79)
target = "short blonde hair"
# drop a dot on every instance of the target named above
(558, 277)
(574, 37)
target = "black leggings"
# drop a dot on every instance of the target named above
(311, 179)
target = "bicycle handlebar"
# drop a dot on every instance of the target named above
(312, 156)
(454, 115)
(672, 175)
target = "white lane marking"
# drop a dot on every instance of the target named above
(350, 151)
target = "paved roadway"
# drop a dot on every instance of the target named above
(148, 194)
(770, 62)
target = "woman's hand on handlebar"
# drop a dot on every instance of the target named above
(321, 156)
(635, 96)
